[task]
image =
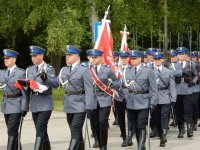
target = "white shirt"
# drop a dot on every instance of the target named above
(184, 63)
(160, 67)
(98, 67)
(40, 65)
(12, 68)
(124, 67)
(74, 65)
(138, 67)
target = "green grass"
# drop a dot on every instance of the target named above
(58, 95)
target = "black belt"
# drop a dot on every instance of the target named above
(138, 92)
(12, 95)
(37, 93)
(162, 88)
(74, 92)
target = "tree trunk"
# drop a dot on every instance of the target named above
(55, 60)
(165, 28)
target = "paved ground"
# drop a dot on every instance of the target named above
(59, 136)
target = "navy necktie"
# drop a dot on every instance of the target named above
(96, 71)
(8, 72)
(135, 70)
(182, 65)
(70, 69)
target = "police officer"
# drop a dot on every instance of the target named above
(185, 77)
(14, 104)
(196, 90)
(141, 83)
(120, 102)
(150, 65)
(166, 94)
(78, 100)
(114, 109)
(41, 104)
(173, 60)
(145, 59)
(150, 52)
(104, 79)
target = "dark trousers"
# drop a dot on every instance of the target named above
(121, 117)
(41, 121)
(195, 99)
(12, 123)
(162, 116)
(101, 116)
(130, 123)
(76, 121)
(184, 109)
(139, 118)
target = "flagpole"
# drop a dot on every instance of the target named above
(106, 13)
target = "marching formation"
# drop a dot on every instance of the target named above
(148, 88)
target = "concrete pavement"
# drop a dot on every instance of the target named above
(60, 136)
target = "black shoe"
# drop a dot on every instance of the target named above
(162, 143)
(153, 133)
(199, 125)
(180, 135)
(124, 143)
(189, 130)
(96, 143)
(163, 138)
(129, 140)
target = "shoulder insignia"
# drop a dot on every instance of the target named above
(84, 64)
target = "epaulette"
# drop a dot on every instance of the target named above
(21, 69)
(50, 66)
(30, 66)
(84, 64)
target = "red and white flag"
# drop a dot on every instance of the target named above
(105, 43)
(124, 44)
(124, 47)
(37, 87)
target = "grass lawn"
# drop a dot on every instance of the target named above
(58, 95)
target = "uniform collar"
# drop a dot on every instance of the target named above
(74, 65)
(12, 68)
(159, 68)
(40, 65)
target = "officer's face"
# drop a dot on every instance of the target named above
(181, 56)
(194, 59)
(9, 62)
(150, 57)
(124, 60)
(158, 62)
(116, 58)
(37, 59)
(145, 59)
(135, 61)
(174, 59)
(71, 59)
(97, 60)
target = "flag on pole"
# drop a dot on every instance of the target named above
(124, 47)
(105, 42)
(124, 34)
